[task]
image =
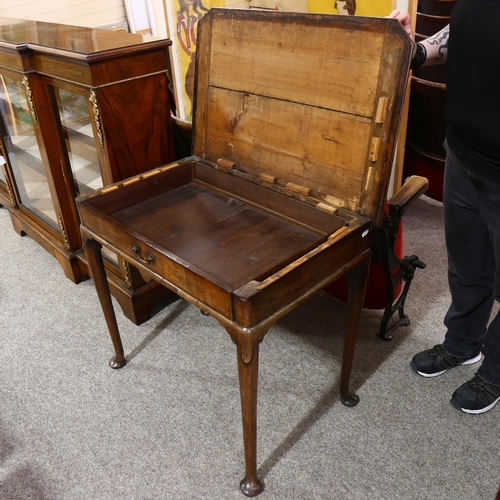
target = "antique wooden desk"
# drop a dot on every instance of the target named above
(294, 127)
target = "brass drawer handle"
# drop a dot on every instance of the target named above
(150, 259)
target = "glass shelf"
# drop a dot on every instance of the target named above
(74, 116)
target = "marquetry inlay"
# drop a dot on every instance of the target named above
(29, 97)
(97, 115)
(126, 273)
(64, 234)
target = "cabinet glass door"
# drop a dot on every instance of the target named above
(3, 182)
(2, 162)
(76, 130)
(78, 137)
(23, 153)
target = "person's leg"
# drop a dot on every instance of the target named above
(472, 229)
(471, 259)
(490, 369)
(471, 267)
(490, 211)
(482, 392)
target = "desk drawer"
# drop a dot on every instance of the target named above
(174, 274)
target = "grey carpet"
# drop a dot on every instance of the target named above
(168, 425)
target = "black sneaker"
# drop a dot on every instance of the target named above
(476, 396)
(438, 360)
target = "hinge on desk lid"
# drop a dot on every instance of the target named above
(268, 178)
(225, 164)
(380, 116)
(136, 178)
(375, 146)
(291, 189)
(327, 208)
(374, 150)
(381, 110)
(297, 188)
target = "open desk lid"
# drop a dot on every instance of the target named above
(304, 103)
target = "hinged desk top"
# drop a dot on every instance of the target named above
(301, 102)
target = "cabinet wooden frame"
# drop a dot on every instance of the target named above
(122, 80)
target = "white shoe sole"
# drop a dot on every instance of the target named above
(468, 362)
(482, 410)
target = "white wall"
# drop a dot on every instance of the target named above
(90, 13)
(402, 4)
(160, 18)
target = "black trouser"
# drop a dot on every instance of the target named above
(472, 228)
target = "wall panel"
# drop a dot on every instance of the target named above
(91, 13)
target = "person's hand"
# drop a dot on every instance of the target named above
(404, 18)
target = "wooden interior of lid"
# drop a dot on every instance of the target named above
(303, 101)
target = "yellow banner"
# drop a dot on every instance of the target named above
(186, 14)
(377, 8)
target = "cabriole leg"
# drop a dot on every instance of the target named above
(357, 285)
(248, 375)
(98, 275)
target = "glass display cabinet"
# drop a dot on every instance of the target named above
(80, 108)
